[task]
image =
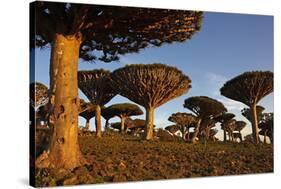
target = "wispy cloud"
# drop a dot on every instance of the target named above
(231, 105)
(215, 81)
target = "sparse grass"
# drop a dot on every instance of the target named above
(118, 158)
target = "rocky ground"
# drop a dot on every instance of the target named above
(121, 158)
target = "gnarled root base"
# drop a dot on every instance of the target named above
(47, 160)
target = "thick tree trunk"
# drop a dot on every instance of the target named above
(230, 138)
(106, 124)
(224, 135)
(87, 126)
(240, 137)
(271, 139)
(64, 151)
(188, 134)
(207, 133)
(98, 121)
(149, 123)
(264, 137)
(183, 131)
(196, 131)
(122, 129)
(254, 121)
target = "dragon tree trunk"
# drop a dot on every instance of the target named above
(196, 131)
(254, 122)
(183, 131)
(64, 151)
(98, 121)
(149, 123)
(264, 136)
(106, 124)
(122, 129)
(87, 125)
(207, 133)
(224, 135)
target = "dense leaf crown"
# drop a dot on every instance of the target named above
(126, 109)
(249, 87)
(38, 94)
(150, 85)
(204, 107)
(95, 84)
(112, 30)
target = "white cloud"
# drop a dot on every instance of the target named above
(216, 81)
(231, 105)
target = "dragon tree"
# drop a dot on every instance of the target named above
(204, 108)
(183, 120)
(107, 115)
(266, 126)
(93, 33)
(38, 95)
(88, 114)
(95, 84)
(239, 126)
(123, 111)
(150, 85)
(224, 119)
(249, 88)
(246, 112)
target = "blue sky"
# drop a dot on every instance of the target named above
(227, 45)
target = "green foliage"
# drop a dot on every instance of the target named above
(95, 84)
(150, 85)
(224, 117)
(204, 107)
(38, 93)
(124, 109)
(246, 112)
(88, 111)
(249, 87)
(112, 30)
(240, 125)
(183, 119)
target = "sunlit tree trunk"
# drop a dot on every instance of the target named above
(122, 129)
(87, 125)
(149, 123)
(98, 121)
(254, 121)
(64, 151)
(196, 131)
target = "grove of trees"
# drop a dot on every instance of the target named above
(103, 33)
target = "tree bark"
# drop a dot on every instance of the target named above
(98, 121)
(196, 131)
(188, 134)
(240, 137)
(87, 126)
(122, 129)
(207, 133)
(106, 124)
(264, 137)
(149, 123)
(183, 131)
(254, 121)
(224, 135)
(64, 151)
